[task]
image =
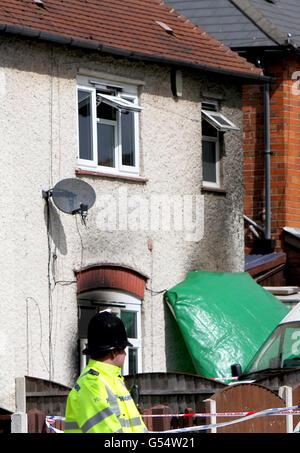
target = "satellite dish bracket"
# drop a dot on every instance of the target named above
(46, 194)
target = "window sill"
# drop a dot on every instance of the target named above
(217, 190)
(111, 176)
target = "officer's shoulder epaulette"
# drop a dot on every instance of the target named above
(93, 372)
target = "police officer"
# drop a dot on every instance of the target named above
(100, 402)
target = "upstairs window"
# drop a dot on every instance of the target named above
(210, 155)
(108, 127)
(214, 124)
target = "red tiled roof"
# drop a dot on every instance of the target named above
(127, 25)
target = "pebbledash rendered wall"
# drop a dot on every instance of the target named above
(39, 147)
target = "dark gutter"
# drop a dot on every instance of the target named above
(202, 67)
(88, 45)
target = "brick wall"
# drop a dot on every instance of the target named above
(285, 148)
(253, 126)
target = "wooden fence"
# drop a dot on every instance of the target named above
(240, 398)
(176, 393)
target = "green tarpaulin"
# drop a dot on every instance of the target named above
(224, 318)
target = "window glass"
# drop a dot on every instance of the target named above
(208, 130)
(106, 144)
(270, 359)
(128, 144)
(209, 161)
(106, 112)
(132, 361)
(268, 356)
(85, 315)
(130, 321)
(291, 346)
(221, 120)
(85, 125)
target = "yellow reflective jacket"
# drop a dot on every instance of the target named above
(100, 403)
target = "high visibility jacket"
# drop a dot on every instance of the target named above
(100, 403)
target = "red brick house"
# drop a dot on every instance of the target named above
(265, 32)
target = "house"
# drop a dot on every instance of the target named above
(265, 32)
(110, 94)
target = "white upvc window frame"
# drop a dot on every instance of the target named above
(85, 163)
(216, 141)
(129, 92)
(213, 117)
(113, 123)
(136, 342)
(221, 124)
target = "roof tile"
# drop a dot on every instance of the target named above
(126, 25)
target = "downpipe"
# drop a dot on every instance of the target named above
(268, 243)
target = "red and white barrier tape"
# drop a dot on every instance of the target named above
(223, 378)
(267, 412)
(50, 420)
(217, 414)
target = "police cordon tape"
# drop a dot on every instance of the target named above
(245, 416)
(224, 378)
(50, 420)
(217, 414)
(266, 412)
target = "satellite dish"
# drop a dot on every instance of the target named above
(72, 196)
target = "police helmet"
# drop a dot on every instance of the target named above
(106, 331)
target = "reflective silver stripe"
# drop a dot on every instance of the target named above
(71, 425)
(84, 374)
(133, 421)
(99, 417)
(136, 421)
(115, 396)
(113, 401)
(114, 405)
(125, 423)
(124, 398)
(122, 382)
